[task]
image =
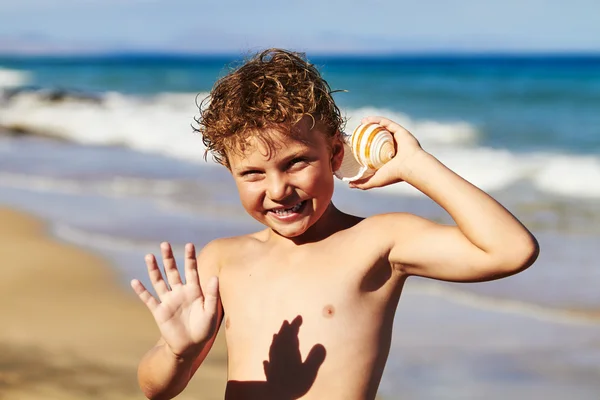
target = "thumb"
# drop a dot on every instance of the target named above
(386, 175)
(211, 294)
(379, 179)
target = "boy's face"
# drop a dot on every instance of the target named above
(290, 188)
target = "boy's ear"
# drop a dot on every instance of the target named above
(337, 152)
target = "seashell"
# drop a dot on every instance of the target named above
(365, 151)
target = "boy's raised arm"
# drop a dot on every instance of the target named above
(488, 242)
(188, 316)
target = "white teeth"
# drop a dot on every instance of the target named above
(288, 211)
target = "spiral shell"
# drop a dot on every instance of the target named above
(368, 148)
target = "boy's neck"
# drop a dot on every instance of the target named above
(331, 221)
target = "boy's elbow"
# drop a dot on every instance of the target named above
(148, 389)
(520, 255)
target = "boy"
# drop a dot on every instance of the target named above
(309, 301)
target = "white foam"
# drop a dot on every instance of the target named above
(162, 124)
(488, 169)
(103, 242)
(494, 170)
(10, 78)
(429, 132)
(116, 187)
(569, 175)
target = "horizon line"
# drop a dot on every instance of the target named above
(449, 53)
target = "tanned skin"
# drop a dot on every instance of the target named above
(308, 303)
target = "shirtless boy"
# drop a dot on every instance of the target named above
(309, 301)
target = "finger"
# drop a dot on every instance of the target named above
(367, 183)
(211, 295)
(386, 175)
(144, 295)
(158, 283)
(191, 266)
(315, 358)
(372, 184)
(170, 265)
(390, 125)
(295, 324)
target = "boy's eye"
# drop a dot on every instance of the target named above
(297, 160)
(250, 173)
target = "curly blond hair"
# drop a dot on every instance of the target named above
(273, 90)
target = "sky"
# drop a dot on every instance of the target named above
(316, 26)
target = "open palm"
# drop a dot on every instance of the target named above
(186, 317)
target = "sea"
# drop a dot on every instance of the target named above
(103, 148)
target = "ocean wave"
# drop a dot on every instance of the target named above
(430, 133)
(116, 187)
(492, 170)
(568, 175)
(10, 78)
(159, 124)
(105, 242)
(511, 306)
(162, 124)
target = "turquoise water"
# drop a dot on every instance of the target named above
(128, 173)
(521, 103)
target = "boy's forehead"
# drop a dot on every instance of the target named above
(271, 144)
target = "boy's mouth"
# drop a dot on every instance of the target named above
(287, 212)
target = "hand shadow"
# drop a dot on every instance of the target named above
(288, 378)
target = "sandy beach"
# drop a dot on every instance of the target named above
(69, 330)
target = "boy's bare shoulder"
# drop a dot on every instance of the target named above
(381, 232)
(234, 242)
(381, 224)
(222, 251)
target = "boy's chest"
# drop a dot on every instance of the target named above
(306, 300)
(286, 289)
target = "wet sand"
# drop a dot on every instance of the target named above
(68, 328)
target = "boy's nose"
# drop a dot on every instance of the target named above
(278, 188)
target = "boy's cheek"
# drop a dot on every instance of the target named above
(249, 194)
(316, 182)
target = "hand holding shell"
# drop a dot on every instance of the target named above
(368, 148)
(384, 172)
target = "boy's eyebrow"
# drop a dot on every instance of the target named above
(295, 154)
(284, 161)
(244, 168)
(301, 152)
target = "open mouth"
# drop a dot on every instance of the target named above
(285, 212)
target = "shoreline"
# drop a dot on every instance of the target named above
(69, 329)
(492, 304)
(72, 329)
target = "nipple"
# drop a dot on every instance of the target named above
(328, 311)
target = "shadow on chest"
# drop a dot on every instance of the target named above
(286, 374)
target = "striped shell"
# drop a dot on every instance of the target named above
(372, 145)
(368, 148)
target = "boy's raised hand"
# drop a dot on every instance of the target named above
(186, 317)
(396, 170)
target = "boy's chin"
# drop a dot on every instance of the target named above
(289, 233)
